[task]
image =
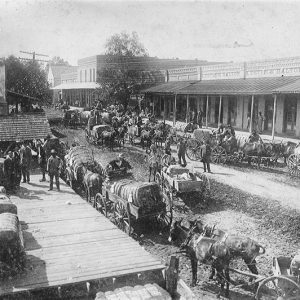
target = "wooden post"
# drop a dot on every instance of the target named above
(187, 108)
(174, 110)
(274, 117)
(251, 115)
(165, 108)
(172, 275)
(206, 112)
(220, 107)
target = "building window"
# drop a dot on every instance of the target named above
(80, 75)
(94, 75)
(90, 75)
(85, 76)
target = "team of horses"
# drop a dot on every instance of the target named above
(215, 247)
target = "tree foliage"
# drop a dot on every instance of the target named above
(26, 78)
(123, 73)
(58, 61)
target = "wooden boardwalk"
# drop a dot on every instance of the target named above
(67, 241)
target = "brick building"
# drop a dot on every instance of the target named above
(232, 92)
(79, 88)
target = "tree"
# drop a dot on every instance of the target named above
(26, 78)
(123, 73)
(58, 61)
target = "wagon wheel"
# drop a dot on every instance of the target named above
(165, 218)
(101, 204)
(122, 217)
(278, 288)
(166, 159)
(218, 155)
(293, 164)
(191, 150)
(205, 190)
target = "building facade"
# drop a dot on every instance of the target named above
(79, 88)
(241, 94)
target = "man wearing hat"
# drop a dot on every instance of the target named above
(53, 168)
(42, 160)
(119, 164)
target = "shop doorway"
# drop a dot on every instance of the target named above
(217, 107)
(269, 110)
(232, 110)
(290, 115)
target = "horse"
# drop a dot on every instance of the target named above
(146, 138)
(120, 138)
(155, 164)
(240, 247)
(108, 138)
(204, 250)
(92, 183)
(253, 149)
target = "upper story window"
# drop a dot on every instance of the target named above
(80, 75)
(85, 76)
(90, 75)
(94, 75)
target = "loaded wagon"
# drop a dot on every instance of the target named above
(94, 136)
(127, 201)
(80, 161)
(180, 181)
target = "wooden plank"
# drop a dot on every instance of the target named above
(10, 288)
(69, 276)
(85, 237)
(67, 244)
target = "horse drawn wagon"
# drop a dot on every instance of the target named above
(82, 170)
(180, 181)
(126, 201)
(232, 148)
(94, 135)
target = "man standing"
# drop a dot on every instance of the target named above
(199, 118)
(17, 166)
(205, 154)
(181, 149)
(53, 168)
(25, 158)
(8, 169)
(42, 160)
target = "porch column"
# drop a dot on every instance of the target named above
(206, 112)
(274, 116)
(220, 107)
(174, 110)
(251, 116)
(187, 108)
(164, 116)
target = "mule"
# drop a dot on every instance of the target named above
(92, 183)
(204, 250)
(240, 247)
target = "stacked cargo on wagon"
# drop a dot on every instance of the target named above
(77, 158)
(126, 201)
(12, 254)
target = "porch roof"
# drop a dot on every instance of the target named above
(76, 86)
(249, 86)
(169, 87)
(292, 88)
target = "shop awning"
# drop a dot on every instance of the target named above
(249, 86)
(169, 87)
(76, 86)
(292, 88)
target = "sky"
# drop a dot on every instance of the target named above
(207, 30)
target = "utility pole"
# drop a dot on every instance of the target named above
(33, 56)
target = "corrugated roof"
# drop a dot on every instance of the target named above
(292, 88)
(249, 86)
(169, 87)
(20, 127)
(76, 86)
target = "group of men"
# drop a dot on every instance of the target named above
(18, 163)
